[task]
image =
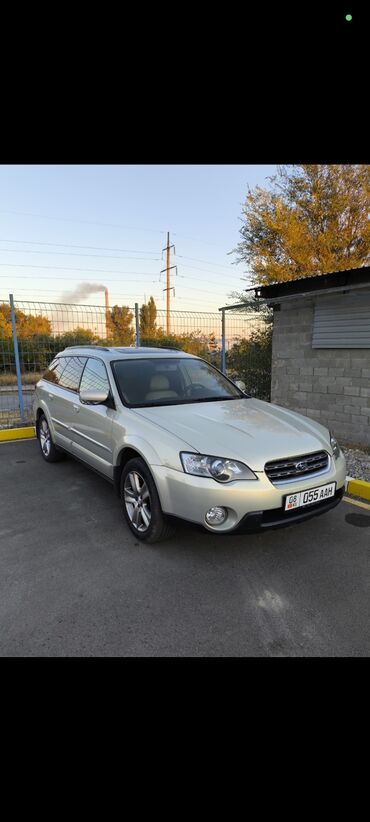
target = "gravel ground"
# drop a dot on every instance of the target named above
(358, 463)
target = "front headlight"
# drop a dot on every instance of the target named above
(335, 446)
(219, 468)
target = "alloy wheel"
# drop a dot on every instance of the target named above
(137, 501)
(45, 439)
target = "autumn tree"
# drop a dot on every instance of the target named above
(5, 323)
(313, 219)
(120, 325)
(28, 325)
(148, 315)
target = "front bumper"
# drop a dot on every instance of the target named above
(278, 518)
(254, 503)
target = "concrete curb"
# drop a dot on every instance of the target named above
(9, 434)
(358, 488)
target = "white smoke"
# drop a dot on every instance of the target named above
(81, 291)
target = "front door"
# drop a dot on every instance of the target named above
(91, 425)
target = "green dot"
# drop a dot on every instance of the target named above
(348, 17)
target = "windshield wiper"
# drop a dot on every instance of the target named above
(213, 399)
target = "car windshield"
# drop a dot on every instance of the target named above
(171, 381)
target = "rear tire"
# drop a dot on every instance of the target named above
(140, 503)
(48, 450)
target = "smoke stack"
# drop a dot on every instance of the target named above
(107, 313)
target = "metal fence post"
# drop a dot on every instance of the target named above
(223, 342)
(16, 354)
(137, 325)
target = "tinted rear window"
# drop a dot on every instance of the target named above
(66, 372)
(54, 371)
(71, 374)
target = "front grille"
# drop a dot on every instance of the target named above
(294, 468)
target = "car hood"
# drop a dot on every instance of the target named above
(249, 430)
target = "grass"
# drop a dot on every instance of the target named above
(12, 419)
(27, 379)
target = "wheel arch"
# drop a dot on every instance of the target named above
(128, 452)
(41, 410)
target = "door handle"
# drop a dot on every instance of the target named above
(76, 408)
(51, 396)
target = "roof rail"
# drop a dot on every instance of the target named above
(95, 347)
(144, 348)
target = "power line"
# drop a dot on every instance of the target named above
(73, 254)
(69, 268)
(118, 279)
(121, 297)
(195, 239)
(207, 270)
(72, 245)
(107, 270)
(102, 248)
(111, 225)
(196, 260)
(89, 270)
(154, 282)
(74, 220)
(112, 295)
(189, 277)
(107, 248)
(107, 279)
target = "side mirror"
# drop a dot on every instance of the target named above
(94, 397)
(240, 384)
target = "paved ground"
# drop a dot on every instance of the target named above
(73, 581)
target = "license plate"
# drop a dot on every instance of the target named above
(310, 496)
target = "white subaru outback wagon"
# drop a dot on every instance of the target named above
(177, 438)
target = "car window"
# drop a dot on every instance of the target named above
(71, 374)
(199, 373)
(94, 376)
(158, 381)
(56, 368)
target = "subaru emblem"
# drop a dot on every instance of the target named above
(300, 466)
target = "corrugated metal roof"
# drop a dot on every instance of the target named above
(327, 280)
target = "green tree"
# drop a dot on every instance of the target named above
(120, 326)
(313, 219)
(250, 360)
(193, 342)
(148, 315)
(78, 336)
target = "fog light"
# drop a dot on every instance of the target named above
(216, 515)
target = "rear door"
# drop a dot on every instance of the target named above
(60, 389)
(91, 425)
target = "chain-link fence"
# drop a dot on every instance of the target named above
(238, 342)
(248, 348)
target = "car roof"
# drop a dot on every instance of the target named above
(121, 353)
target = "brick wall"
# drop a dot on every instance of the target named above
(331, 385)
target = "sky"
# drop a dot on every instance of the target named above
(63, 225)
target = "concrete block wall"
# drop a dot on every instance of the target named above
(330, 385)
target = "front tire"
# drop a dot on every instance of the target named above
(48, 450)
(140, 502)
